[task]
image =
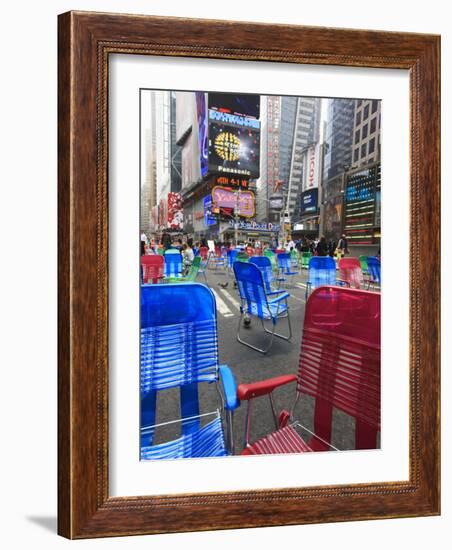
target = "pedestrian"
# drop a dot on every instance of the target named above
(322, 247)
(331, 247)
(166, 241)
(342, 247)
(187, 256)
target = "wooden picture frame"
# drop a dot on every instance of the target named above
(85, 42)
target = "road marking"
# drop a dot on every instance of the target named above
(222, 307)
(296, 298)
(301, 285)
(230, 298)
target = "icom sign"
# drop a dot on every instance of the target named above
(311, 168)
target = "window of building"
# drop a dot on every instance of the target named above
(373, 125)
(371, 146)
(358, 118)
(364, 132)
(363, 150)
(366, 112)
(356, 154)
(374, 106)
(356, 136)
(359, 103)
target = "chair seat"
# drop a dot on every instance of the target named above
(283, 441)
(204, 442)
(273, 311)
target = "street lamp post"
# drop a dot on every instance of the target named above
(236, 216)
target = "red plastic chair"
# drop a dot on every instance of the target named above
(339, 367)
(204, 252)
(350, 271)
(152, 268)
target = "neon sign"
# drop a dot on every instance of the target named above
(243, 202)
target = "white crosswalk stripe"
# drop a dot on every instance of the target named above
(228, 296)
(222, 306)
(301, 285)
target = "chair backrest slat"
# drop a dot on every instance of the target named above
(350, 271)
(374, 269)
(265, 266)
(322, 271)
(340, 359)
(179, 343)
(173, 264)
(152, 268)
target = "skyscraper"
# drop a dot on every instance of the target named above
(148, 160)
(289, 125)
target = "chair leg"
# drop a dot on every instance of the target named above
(282, 336)
(260, 350)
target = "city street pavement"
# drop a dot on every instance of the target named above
(250, 366)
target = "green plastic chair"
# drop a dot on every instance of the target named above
(294, 258)
(363, 262)
(242, 257)
(191, 275)
(272, 257)
(305, 257)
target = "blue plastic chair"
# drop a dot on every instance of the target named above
(374, 271)
(265, 266)
(285, 266)
(179, 348)
(321, 271)
(173, 263)
(256, 302)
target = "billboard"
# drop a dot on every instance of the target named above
(224, 198)
(309, 201)
(256, 226)
(209, 218)
(201, 112)
(311, 172)
(234, 150)
(175, 216)
(241, 104)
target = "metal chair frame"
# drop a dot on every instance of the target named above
(245, 310)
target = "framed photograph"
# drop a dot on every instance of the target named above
(248, 275)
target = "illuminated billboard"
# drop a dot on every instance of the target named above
(201, 112)
(309, 201)
(232, 200)
(234, 150)
(175, 216)
(241, 104)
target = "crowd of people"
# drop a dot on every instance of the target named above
(189, 249)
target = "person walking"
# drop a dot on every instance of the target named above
(187, 256)
(322, 247)
(342, 247)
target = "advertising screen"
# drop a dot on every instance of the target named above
(175, 212)
(225, 198)
(309, 201)
(233, 150)
(202, 130)
(209, 218)
(241, 104)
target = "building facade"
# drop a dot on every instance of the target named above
(351, 189)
